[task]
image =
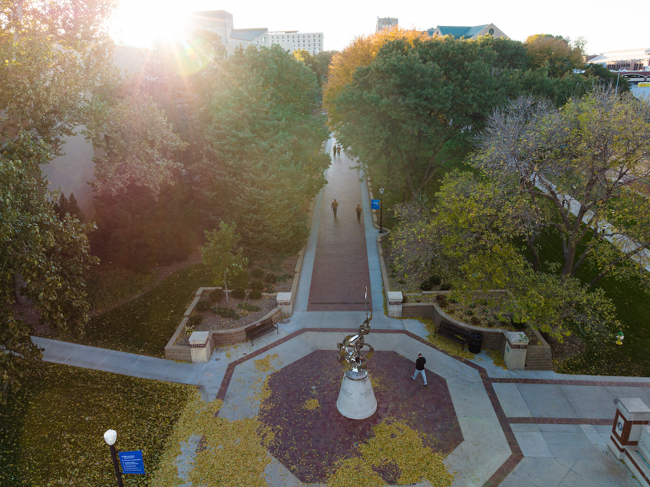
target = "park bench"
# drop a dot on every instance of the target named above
(453, 332)
(259, 329)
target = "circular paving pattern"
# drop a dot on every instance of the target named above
(311, 435)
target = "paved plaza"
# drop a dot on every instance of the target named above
(495, 426)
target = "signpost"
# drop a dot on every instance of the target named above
(374, 204)
(132, 462)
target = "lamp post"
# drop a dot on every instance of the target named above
(381, 210)
(109, 437)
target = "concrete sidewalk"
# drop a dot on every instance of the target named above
(528, 428)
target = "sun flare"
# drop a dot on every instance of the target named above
(142, 22)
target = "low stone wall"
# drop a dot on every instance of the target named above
(178, 352)
(493, 338)
(414, 310)
(216, 337)
(539, 357)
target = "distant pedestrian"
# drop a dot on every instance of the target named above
(335, 205)
(334, 151)
(338, 150)
(419, 368)
(359, 210)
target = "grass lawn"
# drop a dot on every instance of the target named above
(632, 302)
(51, 430)
(146, 324)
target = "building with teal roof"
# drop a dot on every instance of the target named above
(467, 32)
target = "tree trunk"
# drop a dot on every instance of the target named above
(530, 243)
(225, 285)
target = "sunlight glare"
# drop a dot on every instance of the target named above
(141, 22)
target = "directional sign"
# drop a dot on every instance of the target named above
(374, 204)
(132, 462)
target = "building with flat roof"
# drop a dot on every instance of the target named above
(221, 22)
(627, 59)
(467, 32)
(386, 23)
(292, 40)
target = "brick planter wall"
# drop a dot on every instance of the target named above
(539, 357)
(216, 337)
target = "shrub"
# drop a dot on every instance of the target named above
(426, 285)
(215, 295)
(469, 312)
(474, 320)
(194, 320)
(402, 281)
(248, 306)
(257, 273)
(284, 277)
(405, 299)
(226, 312)
(255, 294)
(238, 293)
(435, 280)
(270, 278)
(257, 285)
(442, 300)
(453, 300)
(269, 288)
(240, 280)
(445, 287)
(202, 305)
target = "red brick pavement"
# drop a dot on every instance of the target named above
(340, 272)
(310, 442)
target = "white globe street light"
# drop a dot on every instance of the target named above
(109, 437)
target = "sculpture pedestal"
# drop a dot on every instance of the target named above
(356, 398)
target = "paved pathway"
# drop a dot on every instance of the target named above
(521, 428)
(340, 271)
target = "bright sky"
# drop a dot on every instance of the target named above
(343, 20)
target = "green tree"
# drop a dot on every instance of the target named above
(586, 161)
(469, 237)
(263, 156)
(222, 255)
(49, 253)
(416, 107)
(57, 75)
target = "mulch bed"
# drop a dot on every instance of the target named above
(212, 321)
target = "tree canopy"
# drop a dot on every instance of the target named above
(263, 149)
(57, 75)
(407, 105)
(584, 165)
(469, 238)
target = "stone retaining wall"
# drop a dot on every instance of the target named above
(216, 337)
(539, 357)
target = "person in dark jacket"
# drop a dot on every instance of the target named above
(419, 368)
(359, 210)
(338, 150)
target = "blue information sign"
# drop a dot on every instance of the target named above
(374, 204)
(132, 462)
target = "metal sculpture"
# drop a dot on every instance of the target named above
(350, 350)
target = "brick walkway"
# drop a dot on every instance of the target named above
(341, 263)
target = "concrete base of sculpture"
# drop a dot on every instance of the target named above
(356, 398)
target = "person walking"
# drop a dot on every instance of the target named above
(419, 368)
(335, 205)
(334, 151)
(338, 150)
(359, 210)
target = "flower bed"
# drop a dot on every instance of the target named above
(238, 313)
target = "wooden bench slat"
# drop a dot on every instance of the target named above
(452, 332)
(259, 329)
